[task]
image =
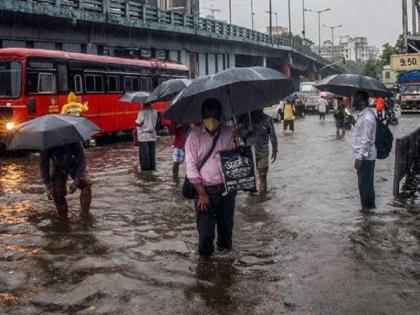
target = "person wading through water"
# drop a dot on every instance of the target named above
(214, 207)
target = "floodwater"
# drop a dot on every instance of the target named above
(305, 248)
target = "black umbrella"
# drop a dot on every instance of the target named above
(51, 131)
(167, 90)
(240, 91)
(349, 84)
(135, 97)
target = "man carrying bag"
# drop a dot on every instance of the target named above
(214, 207)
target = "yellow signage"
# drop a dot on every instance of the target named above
(405, 62)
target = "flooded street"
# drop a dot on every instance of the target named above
(305, 248)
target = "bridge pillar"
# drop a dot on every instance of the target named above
(286, 70)
(264, 61)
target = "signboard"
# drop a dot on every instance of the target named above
(238, 169)
(405, 62)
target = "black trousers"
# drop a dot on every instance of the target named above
(147, 155)
(365, 181)
(322, 116)
(220, 214)
(290, 123)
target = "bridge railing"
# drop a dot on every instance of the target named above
(120, 9)
(407, 161)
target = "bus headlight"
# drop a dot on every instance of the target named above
(10, 126)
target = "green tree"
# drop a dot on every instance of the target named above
(373, 68)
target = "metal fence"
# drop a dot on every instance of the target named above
(116, 10)
(407, 162)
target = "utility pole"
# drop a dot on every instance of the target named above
(271, 21)
(404, 22)
(230, 11)
(252, 14)
(290, 19)
(303, 19)
(332, 28)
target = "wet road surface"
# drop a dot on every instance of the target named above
(305, 248)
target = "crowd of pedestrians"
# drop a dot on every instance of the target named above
(199, 146)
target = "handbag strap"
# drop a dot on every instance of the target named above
(204, 161)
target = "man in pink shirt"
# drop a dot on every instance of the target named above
(214, 207)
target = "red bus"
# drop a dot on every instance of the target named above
(35, 82)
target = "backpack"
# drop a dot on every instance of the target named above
(383, 140)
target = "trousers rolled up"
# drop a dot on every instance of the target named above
(147, 155)
(366, 185)
(220, 216)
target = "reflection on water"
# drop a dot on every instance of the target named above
(303, 249)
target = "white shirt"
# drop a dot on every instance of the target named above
(364, 134)
(147, 118)
(322, 108)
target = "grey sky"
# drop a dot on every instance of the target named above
(378, 20)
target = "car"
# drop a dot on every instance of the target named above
(312, 104)
(410, 97)
(275, 112)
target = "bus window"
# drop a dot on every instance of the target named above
(146, 84)
(10, 79)
(46, 83)
(114, 83)
(94, 83)
(78, 84)
(63, 85)
(132, 84)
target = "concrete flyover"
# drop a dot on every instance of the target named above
(127, 27)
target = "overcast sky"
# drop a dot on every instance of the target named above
(378, 20)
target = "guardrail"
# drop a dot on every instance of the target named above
(131, 10)
(407, 162)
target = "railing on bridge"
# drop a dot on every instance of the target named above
(407, 162)
(128, 9)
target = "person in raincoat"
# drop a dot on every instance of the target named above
(73, 107)
(289, 116)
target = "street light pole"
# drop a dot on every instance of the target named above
(230, 11)
(303, 19)
(332, 28)
(290, 18)
(271, 21)
(319, 25)
(275, 13)
(252, 14)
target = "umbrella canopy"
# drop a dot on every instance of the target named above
(135, 97)
(349, 84)
(293, 97)
(167, 90)
(240, 91)
(51, 131)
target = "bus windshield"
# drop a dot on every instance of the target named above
(10, 79)
(410, 89)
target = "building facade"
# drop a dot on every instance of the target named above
(351, 48)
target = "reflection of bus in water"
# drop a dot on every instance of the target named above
(35, 82)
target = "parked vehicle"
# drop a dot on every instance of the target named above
(36, 82)
(410, 97)
(312, 104)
